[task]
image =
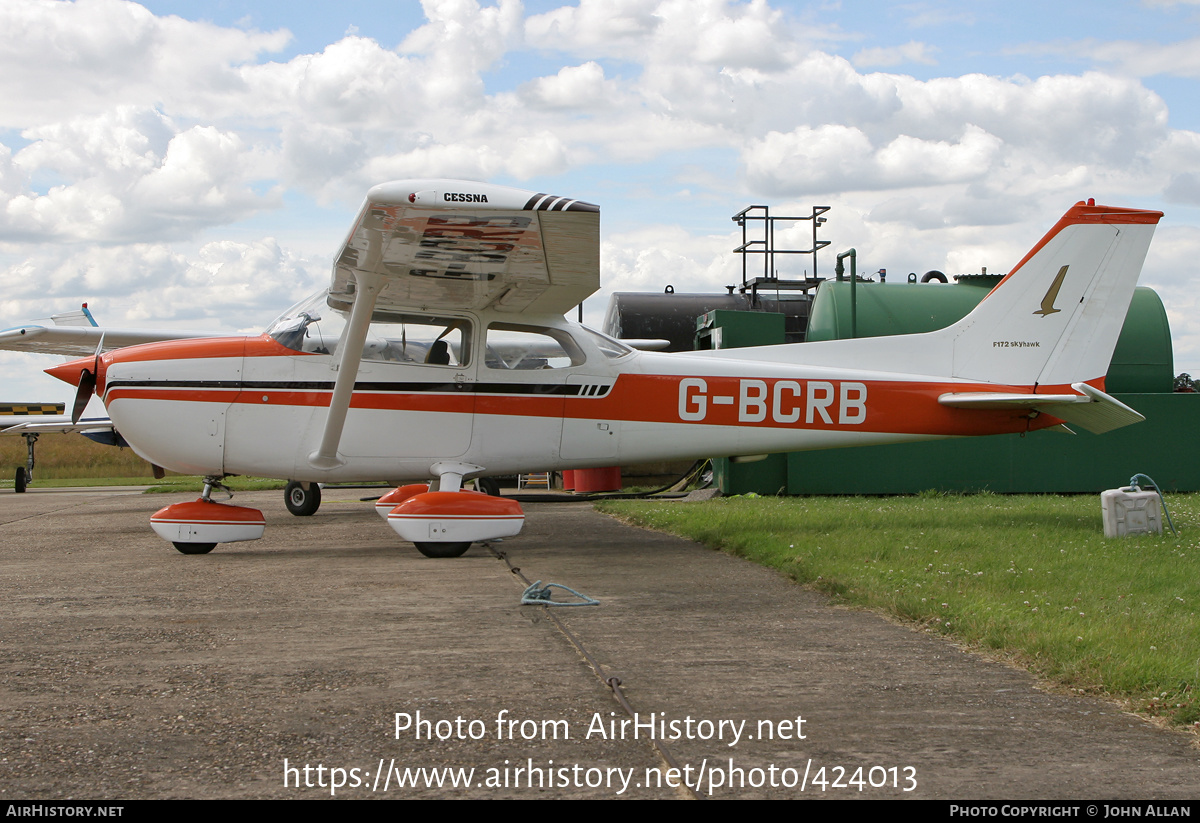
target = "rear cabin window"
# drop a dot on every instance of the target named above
(516, 348)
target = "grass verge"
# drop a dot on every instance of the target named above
(83, 482)
(1029, 577)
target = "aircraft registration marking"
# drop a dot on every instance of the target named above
(780, 401)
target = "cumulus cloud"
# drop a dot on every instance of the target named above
(220, 284)
(124, 126)
(87, 56)
(832, 158)
(1169, 270)
(128, 174)
(572, 88)
(652, 257)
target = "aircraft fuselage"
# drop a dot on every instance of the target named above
(254, 406)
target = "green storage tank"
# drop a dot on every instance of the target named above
(1141, 375)
(1142, 361)
(723, 329)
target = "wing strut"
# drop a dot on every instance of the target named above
(367, 287)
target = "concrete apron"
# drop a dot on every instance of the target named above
(284, 667)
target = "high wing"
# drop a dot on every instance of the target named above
(75, 334)
(80, 342)
(453, 245)
(449, 244)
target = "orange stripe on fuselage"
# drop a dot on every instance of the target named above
(899, 407)
(203, 348)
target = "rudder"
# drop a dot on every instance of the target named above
(1055, 318)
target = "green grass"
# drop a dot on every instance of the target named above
(70, 456)
(72, 460)
(1030, 578)
(83, 482)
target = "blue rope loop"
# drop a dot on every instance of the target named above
(539, 595)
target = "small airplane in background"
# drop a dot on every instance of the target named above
(72, 334)
(77, 334)
(439, 353)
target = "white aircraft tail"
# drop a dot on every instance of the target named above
(1053, 321)
(1055, 318)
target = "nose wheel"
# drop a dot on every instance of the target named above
(197, 527)
(442, 549)
(193, 548)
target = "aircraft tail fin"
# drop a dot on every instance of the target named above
(1055, 318)
(79, 317)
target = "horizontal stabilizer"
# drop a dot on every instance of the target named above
(1092, 409)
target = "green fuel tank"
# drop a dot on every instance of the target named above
(1142, 361)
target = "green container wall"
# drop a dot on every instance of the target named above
(1141, 376)
(1164, 447)
(1142, 361)
(766, 477)
(723, 329)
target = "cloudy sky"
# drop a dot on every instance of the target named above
(196, 164)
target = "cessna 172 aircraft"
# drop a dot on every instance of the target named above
(440, 353)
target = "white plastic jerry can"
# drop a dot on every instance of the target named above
(1128, 511)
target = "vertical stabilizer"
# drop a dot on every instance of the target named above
(1055, 319)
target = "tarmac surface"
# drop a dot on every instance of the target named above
(283, 667)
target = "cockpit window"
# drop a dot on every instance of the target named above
(509, 346)
(313, 326)
(434, 341)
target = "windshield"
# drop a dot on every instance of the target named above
(610, 347)
(309, 326)
(312, 326)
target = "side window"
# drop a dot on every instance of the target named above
(433, 341)
(312, 326)
(514, 347)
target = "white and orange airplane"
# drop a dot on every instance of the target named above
(439, 353)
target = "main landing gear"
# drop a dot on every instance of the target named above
(445, 521)
(442, 519)
(302, 499)
(24, 475)
(197, 527)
